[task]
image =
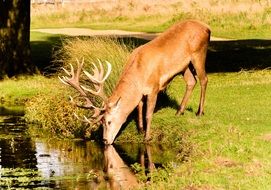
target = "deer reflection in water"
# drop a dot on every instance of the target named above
(118, 173)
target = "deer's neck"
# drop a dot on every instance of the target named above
(129, 91)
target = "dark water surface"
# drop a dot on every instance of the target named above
(30, 162)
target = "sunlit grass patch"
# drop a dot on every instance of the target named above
(17, 91)
(229, 146)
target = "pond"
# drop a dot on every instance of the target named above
(29, 161)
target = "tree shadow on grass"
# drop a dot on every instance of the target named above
(231, 55)
(42, 52)
(223, 56)
(237, 55)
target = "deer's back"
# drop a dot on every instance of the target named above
(152, 65)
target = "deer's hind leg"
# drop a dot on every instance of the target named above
(198, 61)
(190, 81)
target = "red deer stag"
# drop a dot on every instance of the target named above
(149, 69)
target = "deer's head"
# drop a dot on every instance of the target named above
(107, 114)
(112, 121)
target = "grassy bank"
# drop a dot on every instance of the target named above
(227, 148)
(39, 108)
(228, 19)
(231, 143)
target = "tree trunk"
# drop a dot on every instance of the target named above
(14, 38)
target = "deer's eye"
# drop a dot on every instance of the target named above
(109, 123)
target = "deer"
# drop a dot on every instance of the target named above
(181, 49)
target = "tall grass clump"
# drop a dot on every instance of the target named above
(94, 49)
(53, 111)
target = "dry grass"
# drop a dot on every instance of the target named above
(225, 162)
(150, 7)
(267, 137)
(248, 19)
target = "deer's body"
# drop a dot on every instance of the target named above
(149, 69)
(152, 66)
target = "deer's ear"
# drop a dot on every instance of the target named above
(114, 105)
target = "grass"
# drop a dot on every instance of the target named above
(228, 19)
(227, 146)
(19, 90)
(229, 151)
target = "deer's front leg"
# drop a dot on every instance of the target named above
(140, 116)
(151, 101)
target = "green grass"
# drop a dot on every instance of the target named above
(19, 90)
(229, 151)
(226, 146)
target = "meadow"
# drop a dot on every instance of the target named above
(246, 19)
(227, 148)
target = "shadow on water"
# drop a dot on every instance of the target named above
(28, 161)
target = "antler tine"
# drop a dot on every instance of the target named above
(63, 80)
(97, 93)
(101, 77)
(109, 66)
(102, 69)
(87, 120)
(79, 68)
(95, 70)
(68, 72)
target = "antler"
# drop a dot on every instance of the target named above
(97, 80)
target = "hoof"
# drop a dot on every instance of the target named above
(141, 131)
(147, 140)
(199, 114)
(179, 113)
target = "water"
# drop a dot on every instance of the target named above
(30, 162)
